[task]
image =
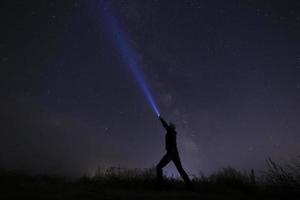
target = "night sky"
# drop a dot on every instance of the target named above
(227, 73)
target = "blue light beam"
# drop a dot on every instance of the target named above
(120, 40)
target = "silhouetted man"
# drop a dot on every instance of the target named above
(172, 153)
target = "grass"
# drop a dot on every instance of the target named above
(283, 176)
(278, 182)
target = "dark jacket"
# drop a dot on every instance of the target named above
(170, 138)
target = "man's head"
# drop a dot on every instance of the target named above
(172, 126)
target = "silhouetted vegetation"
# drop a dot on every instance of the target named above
(285, 176)
(278, 182)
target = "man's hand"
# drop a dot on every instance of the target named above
(164, 123)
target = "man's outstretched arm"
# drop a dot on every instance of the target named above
(164, 123)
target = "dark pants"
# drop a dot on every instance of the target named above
(176, 160)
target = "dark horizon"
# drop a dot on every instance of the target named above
(226, 73)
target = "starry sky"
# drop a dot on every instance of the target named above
(227, 73)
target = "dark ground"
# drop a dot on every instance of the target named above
(118, 183)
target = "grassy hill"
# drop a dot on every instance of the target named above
(119, 183)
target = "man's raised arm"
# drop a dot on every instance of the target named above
(164, 123)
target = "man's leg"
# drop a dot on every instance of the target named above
(162, 163)
(180, 169)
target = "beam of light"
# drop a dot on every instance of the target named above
(121, 42)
